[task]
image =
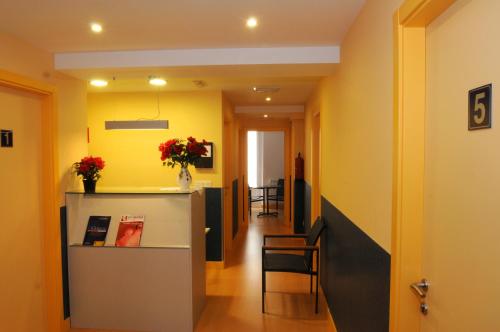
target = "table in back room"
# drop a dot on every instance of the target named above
(265, 203)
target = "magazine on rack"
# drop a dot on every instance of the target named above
(130, 231)
(97, 229)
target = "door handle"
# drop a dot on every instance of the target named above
(421, 288)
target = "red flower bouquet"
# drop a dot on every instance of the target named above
(184, 153)
(89, 168)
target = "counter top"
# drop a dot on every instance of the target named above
(138, 190)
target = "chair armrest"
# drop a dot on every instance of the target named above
(303, 236)
(294, 248)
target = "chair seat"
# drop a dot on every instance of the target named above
(285, 263)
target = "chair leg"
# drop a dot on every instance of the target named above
(263, 289)
(263, 275)
(311, 284)
(317, 279)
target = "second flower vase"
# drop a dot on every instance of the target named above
(184, 179)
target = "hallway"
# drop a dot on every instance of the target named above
(233, 294)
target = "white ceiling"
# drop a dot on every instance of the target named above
(294, 46)
(293, 91)
(63, 25)
(296, 82)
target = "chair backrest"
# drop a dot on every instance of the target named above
(313, 237)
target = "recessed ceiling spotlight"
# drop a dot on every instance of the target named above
(266, 89)
(156, 81)
(268, 98)
(95, 27)
(99, 83)
(265, 115)
(252, 22)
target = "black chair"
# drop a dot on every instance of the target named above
(279, 195)
(294, 263)
(252, 199)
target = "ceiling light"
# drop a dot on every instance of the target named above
(99, 83)
(268, 99)
(96, 27)
(265, 115)
(157, 81)
(266, 89)
(252, 22)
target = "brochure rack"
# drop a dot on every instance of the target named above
(158, 286)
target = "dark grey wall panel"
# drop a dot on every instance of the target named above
(64, 261)
(307, 207)
(355, 275)
(235, 207)
(214, 220)
(299, 200)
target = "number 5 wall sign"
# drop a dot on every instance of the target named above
(480, 108)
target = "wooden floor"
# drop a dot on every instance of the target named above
(234, 293)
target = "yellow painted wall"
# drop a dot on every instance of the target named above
(230, 169)
(132, 156)
(297, 136)
(356, 124)
(462, 171)
(72, 129)
(312, 106)
(231, 119)
(24, 59)
(235, 147)
(297, 146)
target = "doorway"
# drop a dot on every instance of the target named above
(445, 216)
(266, 173)
(275, 125)
(461, 173)
(30, 235)
(21, 233)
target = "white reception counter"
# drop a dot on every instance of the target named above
(159, 286)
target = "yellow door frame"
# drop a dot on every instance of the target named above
(228, 176)
(265, 125)
(51, 240)
(316, 167)
(410, 22)
(242, 178)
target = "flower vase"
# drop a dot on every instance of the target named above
(184, 179)
(89, 186)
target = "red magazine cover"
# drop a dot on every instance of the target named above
(130, 231)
